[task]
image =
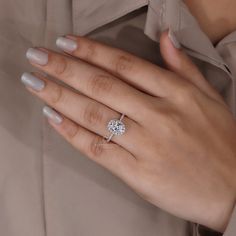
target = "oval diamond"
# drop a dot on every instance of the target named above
(116, 127)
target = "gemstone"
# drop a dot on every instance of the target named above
(116, 127)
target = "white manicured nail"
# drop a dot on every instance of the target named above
(32, 81)
(173, 39)
(37, 56)
(66, 44)
(52, 115)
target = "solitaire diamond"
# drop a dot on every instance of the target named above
(116, 127)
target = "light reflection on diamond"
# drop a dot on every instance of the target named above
(116, 127)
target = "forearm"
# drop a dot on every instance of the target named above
(217, 18)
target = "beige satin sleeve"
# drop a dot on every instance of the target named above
(200, 230)
(231, 228)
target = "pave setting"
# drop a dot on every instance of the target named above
(116, 127)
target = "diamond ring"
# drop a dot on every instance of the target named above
(115, 127)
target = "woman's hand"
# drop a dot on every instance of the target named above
(179, 149)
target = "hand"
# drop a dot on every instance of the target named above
(179, 148)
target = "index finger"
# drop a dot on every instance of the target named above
(134, 70)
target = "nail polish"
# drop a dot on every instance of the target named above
(66, 44)
(174, 39)
(37, 56)
(52, 115)
(32, 81)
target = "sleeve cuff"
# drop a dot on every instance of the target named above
(200, 230)
(231, 227)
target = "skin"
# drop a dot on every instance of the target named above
(217, 18)
(179, 153)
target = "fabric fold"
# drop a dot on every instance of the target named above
(89, 15)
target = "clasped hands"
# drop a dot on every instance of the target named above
(179, 148)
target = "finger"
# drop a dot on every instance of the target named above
(83, 110)
(109, 155)
(91, 81)
(136, 71)
(179, 62)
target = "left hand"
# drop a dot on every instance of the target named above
(179, 150)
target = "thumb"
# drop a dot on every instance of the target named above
(180, 63)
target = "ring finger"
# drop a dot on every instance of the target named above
(82, 110)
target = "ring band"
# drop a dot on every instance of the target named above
(115, 127)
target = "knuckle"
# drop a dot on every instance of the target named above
(91, 51)
(56, 95)
(123, 63)
(96, 149)
(59, 65)
(70, 129)
(93, 114)
(100, 84)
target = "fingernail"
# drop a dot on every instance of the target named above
(32, 81)
(37, 56)
(52, 115)
(173, 39)
(66, 44)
